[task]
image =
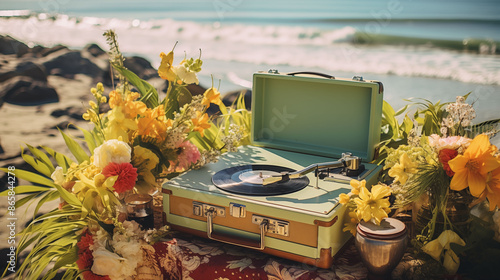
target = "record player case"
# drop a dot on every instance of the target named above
(298, 119)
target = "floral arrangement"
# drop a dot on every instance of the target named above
(443, 168)
(133, 145)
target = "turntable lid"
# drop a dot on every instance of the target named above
(318, 116)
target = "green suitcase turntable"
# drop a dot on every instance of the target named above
(311, 134)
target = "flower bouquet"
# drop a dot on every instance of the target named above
(136, 141)
(443, 168)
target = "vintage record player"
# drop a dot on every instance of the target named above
(311, 134)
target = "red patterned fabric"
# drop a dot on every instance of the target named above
(189, 257)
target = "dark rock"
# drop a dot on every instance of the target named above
(9, 45)
(94, 50)
(56, 48)
(141, 67)
(27, 68)
(231, 97)
(194, 89)
(32, 70)
(28, 92)
(72, 112)
(70, 63)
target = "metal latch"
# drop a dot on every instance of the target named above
(237, 210)
(273, 71)
(358, 78)
(201, 209)
(274, 226)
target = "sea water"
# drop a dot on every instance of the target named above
(433, 49)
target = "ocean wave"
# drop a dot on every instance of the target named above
(330, 49)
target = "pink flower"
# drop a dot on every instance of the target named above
(127, 175)
(458, 143)
(187, 156)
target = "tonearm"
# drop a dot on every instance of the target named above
(348, 161)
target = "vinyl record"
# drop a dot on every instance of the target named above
(247, 180)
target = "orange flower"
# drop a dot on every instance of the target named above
(472, 167)
(153, 123)
(211, 95)
(493, 188)
(200, 122)
(165, 70)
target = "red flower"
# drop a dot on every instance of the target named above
(85, 260)
(127, 175)
(446, 155)
(85, 241)
(89, 275)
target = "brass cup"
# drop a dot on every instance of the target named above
(381, 247)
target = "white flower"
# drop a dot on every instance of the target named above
(112, 151)
(58, 176)
(188, 77)
(108, 263)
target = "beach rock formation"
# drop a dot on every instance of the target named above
(27, 92)
(9, 45)
(74, 112)
(67, 63)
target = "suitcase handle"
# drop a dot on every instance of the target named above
(247, 243)
(312, 73)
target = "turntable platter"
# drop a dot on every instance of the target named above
(247, 180)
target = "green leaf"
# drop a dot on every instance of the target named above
(68, 197)
(36, 164)
(62, 160)
(50, 196)
(41, 156)
(184, 97)
(70, 257)
(89, 138)
(400, 111)
(24, 189)
(75, 148)
(31, 177)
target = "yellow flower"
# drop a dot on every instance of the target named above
(145, 161)
(472, 167)
(211, 95)
(357, 185)
(401, 170)
(200, 122)
(344, 198)
(352, 224)
(373, 205)
(440, 245)
(118, 125)
(165, 70)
